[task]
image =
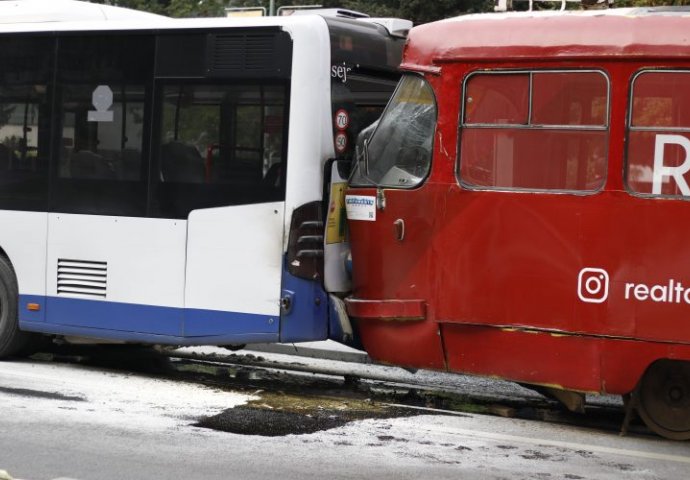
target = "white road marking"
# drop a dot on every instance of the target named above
(557, 443)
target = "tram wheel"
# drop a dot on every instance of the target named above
(664, 399)
(12, 340)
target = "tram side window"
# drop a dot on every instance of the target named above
(220, 145)
(24, 122)
(658, 156)
(540, 130)
(102, 91)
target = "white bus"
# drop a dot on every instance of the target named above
(162, 180)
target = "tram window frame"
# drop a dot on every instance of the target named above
(25, 83)
(176, 195)
(124, 63)
(530, 125)
(633, 128)
(397, 175)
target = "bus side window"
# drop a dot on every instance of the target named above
(24, 122)
(102, 95)
(658, 147)
(219, 145)
(557, 142)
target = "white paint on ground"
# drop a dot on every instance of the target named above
(132, 426)
(110, 398)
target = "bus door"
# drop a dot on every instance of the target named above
(390, 211)
(222, 166)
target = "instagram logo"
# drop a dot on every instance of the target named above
(593, 285)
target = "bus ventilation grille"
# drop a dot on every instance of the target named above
(305, 243)
(82, 278)
(249, 53)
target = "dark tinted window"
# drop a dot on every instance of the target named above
(219, 145)
(103, 83)
(364, 74)
(24, 122)
(358, 102)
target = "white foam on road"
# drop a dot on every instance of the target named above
(109, 397)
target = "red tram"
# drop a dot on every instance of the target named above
(522, 208)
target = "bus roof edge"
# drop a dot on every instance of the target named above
(396, 27)
(45, 11)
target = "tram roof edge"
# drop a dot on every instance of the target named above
(626, 32)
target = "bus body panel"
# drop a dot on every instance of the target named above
(119, 264)
(235, 337)
(25, 246)
(311, 145)
(148, 249)
(304, 312)
(234, 264)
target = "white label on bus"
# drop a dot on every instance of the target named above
(102, 99)
(340, 71)
(360, 207)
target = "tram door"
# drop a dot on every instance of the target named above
(390, 211)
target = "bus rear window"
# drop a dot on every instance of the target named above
(539, 130)
(220, 145)
(658, 157)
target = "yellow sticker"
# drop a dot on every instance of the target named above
(335, 222)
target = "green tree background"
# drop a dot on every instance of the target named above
(419, 11)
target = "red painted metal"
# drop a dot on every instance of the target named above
(413, 344)
(400, 310)
(542, 35)
(498, 271)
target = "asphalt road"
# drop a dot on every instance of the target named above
(88, 423)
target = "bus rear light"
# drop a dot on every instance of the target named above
(305, 244)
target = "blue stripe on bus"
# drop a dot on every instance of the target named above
(307, 318)
(144, 323)
(26, 315)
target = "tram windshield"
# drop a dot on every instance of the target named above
(398, 154)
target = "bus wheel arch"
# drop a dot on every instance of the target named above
(663, 398)
(12, 340)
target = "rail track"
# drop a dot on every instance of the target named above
(420, 392)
